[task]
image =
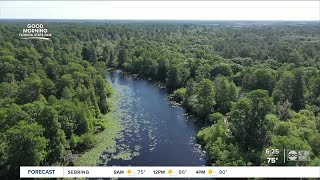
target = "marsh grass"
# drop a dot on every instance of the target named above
(105, 141)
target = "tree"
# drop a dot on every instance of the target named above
(8, 90)
(226, 93)
(102, 91)
(283, 110)
(249, 125)
(264, 79)
(298, 101)
(282, 128)
(219, 145)
(106, 53)
(221, 69)
(31, 89)
(89, 53)
(290, 88)
(190, 100)
(177, 76)
(179, 94)
(49, 87)
(252, 78)
(284, 88)
(25, 146)
(57, 140)
(315, 91)
(86, 141)
(162, 69)
(123, 56)
(203, 72)
(206, 97)
(215, 117)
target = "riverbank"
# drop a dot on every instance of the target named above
(136, 76)
(150, 123)
(105, 140)
(161, 85)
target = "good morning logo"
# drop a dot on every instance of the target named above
(35, 31)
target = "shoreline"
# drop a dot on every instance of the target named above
(105, 140)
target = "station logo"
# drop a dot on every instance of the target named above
(35, 31)
(296, 155)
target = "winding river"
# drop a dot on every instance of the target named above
(154, 133)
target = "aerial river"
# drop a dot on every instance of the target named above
(154, 133)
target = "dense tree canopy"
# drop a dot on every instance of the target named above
(53, 96)
(253, 86)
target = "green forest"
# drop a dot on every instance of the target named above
(253, 86)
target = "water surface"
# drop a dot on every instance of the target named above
(155, 133)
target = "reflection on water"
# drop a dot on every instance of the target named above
(154, 133)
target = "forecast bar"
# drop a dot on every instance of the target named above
(168, 172)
